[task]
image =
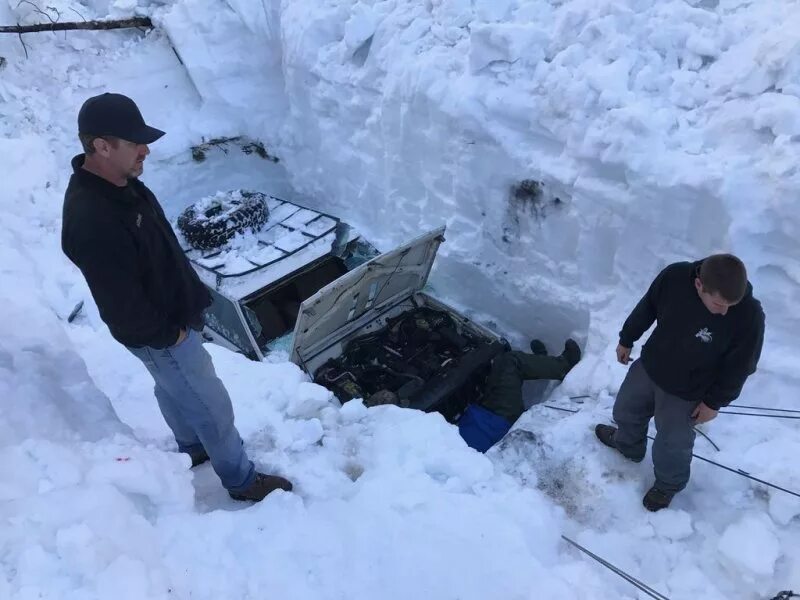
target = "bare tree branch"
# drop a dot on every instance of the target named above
(77, 13)
(143, 22)
(38, 10)
(24, 47)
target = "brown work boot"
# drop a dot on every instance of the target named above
(262, 485)
(606, 433)
(656, 499)
(198, 457)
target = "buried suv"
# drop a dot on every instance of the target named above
(357, 322)
(260, 257)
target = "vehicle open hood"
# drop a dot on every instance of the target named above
(359, 296)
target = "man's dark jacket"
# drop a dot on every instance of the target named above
(140, 279)
(693, 353)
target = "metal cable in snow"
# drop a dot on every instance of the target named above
(710, 441)
(571, 410)
(741, 472)
(766, 408)
(748, 414)
(629, 578)
(575, 410)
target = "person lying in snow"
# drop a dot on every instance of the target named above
(706, 343)
(483, 425)
(148, 294)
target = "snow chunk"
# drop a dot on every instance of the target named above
(457, 13)
(507, 43)
(299, 435)
(123, 7)
(353, 411)
(611, 82)
(751, 545)
(778, 112)
(494, 10)
(672, 524)
(783, 508)
(309, 401)
(133, 572)
(360, 26)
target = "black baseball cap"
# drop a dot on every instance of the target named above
(118, 116)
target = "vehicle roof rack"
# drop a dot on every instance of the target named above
(290, 229)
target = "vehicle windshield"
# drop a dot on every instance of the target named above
(276, 308)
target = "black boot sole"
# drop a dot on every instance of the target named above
(656, 506)
(608, 440)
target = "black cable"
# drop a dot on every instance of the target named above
(742, 473)
(560, 408)
(629, 578)
(710, 441)
(765, 408)
(578, 397)
(747, 414)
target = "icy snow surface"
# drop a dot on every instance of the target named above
(658, 130)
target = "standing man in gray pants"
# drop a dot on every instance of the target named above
(147, 293)
(706, 343)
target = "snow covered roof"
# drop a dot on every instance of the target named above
(293, 236)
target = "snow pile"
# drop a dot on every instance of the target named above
(572, 148)
(751, 545)
(75, 486)
(92, 511)
(45, 387)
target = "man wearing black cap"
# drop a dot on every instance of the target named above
(148, 294)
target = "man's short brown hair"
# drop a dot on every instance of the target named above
(87, 141)
(724, 274)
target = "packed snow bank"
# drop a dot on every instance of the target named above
(92, 512)
(76, 488)
(397, 116)
(573, 149)
(45, 387)
(656, 130)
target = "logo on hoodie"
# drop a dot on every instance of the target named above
(704, 335)
(139, 220)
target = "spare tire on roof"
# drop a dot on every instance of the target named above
(211, 222)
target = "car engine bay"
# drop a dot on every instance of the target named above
(423, 358)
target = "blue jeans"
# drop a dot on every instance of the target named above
(197, 407)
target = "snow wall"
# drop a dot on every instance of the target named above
(572, 148)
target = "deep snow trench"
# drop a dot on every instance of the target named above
(571, 148)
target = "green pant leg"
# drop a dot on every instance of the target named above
(509, 371)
